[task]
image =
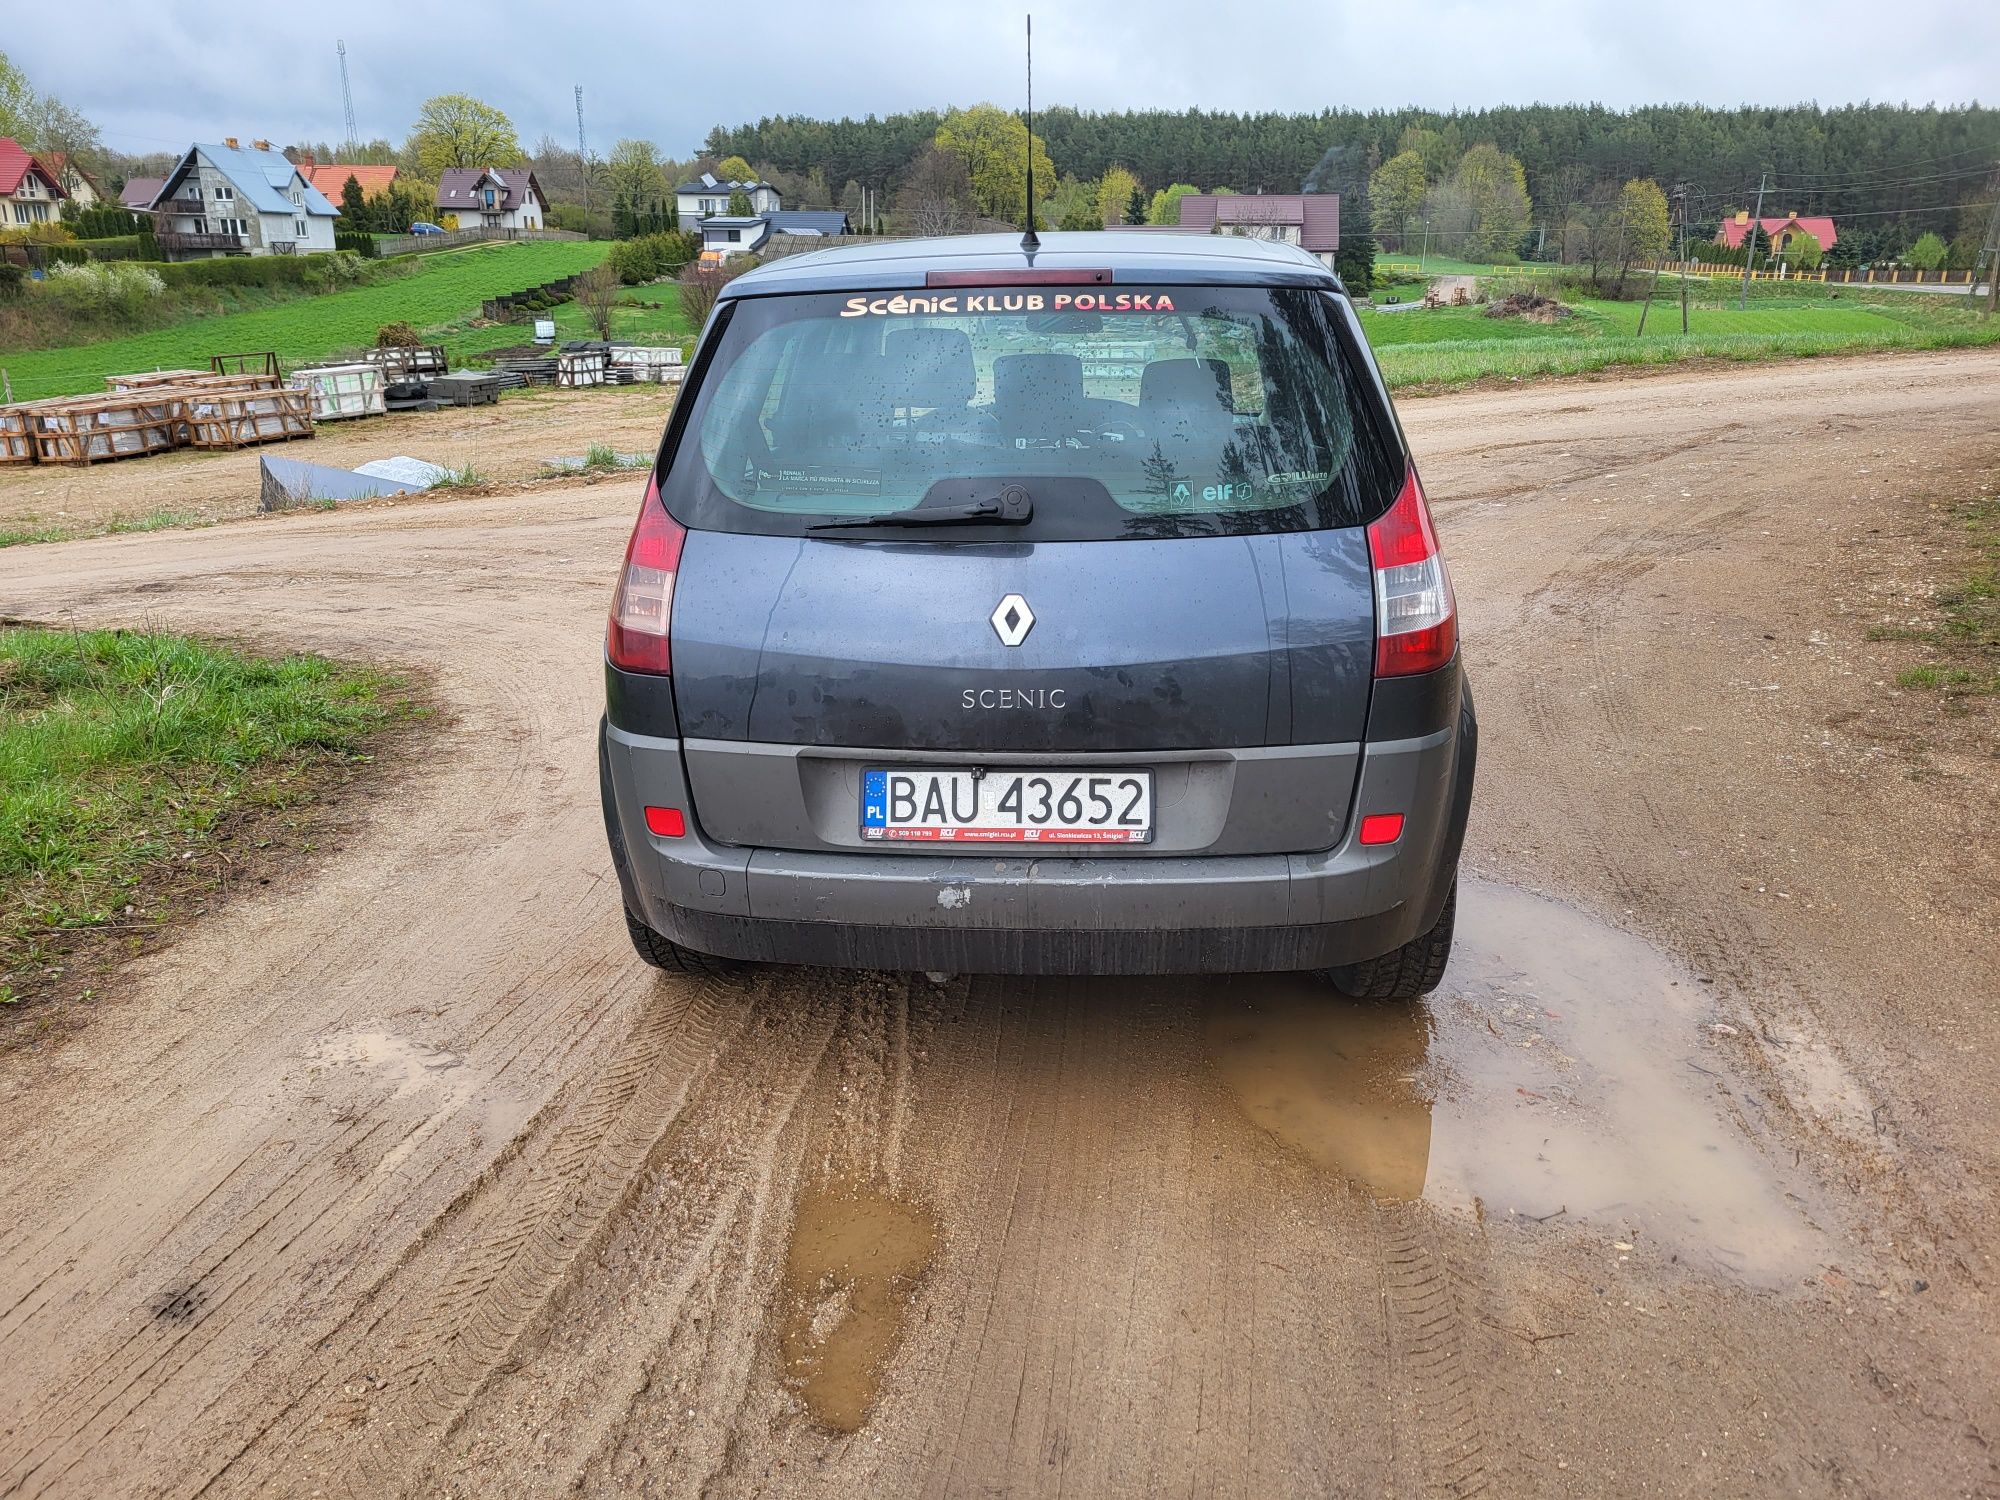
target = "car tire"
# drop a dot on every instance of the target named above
(1403, 973)
(665, 953)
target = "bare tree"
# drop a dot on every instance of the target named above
(597, 294)
(936, 196)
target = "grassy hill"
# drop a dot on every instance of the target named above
(442, 291)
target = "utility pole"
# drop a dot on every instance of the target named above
(1989, 257)
(1681, 209)
(1750, 242)
(347, 100)
(1425, 249)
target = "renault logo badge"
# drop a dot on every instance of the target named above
(1012, 620)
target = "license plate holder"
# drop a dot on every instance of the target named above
(1066, 806)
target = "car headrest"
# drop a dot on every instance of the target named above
(930, 367)
(1038, 383)
(1186, 382)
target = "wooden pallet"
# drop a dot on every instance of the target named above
(146, 380)
(95, 429)
(17, 438)
(240, 418)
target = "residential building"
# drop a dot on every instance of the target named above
(225, 200)
(139, 192)
(331, 178)
(1780, 231)
(29, 191)
(723, 235)
(709, 196)
(1309, 220)
(79, 184)
(491, 198)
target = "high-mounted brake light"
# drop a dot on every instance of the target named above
(643, 606)
(1048, 276)
(1416, 618)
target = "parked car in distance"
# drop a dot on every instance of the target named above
(423, 228)
(1074, 610)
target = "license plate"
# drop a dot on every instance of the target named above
(1006, 806)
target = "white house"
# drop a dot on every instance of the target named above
(723, 236)
(491, 198)
(709, 196)
(225, 200)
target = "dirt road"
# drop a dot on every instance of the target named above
(408, 1179)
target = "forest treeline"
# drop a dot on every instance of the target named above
(1921, 165)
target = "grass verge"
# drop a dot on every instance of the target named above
(1965, 641)
(152, 520)
(144, 774)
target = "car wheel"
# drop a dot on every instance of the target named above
(665, 953)
(1403, 973)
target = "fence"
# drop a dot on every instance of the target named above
(405, 244)
(1839, 275)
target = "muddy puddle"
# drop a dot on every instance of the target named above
(854, 1261)
(1564, 1072)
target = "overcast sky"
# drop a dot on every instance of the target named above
(200, 70)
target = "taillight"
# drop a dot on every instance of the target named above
(643, 606)
(1416, 618)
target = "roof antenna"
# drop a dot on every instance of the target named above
(1030, 241)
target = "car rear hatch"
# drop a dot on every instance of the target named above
(975, 533)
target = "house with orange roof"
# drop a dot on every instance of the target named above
(331, 178)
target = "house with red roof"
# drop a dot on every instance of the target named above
(331, 178)
(29, 192)
(1309, 220)
(1781, 232)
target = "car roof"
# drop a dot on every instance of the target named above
(1189, 259)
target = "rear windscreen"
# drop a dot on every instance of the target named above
(1121, 411)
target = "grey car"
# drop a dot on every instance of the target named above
(1063, 610)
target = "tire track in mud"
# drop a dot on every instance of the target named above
(1436, 1357)
(686, 1270)
(528, 1231)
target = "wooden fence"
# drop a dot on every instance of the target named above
(1838, 275)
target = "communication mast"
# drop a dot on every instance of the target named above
(347, 99)
(582, 150)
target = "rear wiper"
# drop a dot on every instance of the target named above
(1011, 507)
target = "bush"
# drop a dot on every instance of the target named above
(12, 278)
(654, 257)
(324, 271)
(122, 291)
(397, 336)
(701, 284)
(116, 247)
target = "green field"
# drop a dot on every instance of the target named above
(1448, 346)
(630, 319)
(444, 290)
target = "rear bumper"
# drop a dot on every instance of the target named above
(980, 914)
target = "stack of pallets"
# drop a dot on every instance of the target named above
(341, 391)
(91, 429)
(239, 418)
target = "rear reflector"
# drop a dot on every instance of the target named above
(1381, 828)
(1095, 276)
(643, 606)
(668, 823)
(1416, 618)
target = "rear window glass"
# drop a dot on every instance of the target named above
(1120, 411)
